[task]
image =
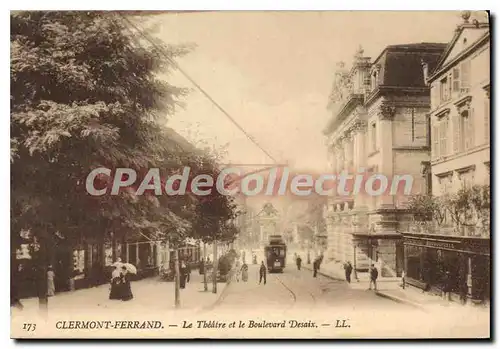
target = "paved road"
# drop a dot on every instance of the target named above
(295, 289)
(296, 295)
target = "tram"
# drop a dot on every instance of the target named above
(275, 253)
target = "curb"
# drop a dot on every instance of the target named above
(400, 300)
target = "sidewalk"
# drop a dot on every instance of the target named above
(150, 295)
(334, 270)
(391, 288)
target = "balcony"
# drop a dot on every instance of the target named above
(464, 91)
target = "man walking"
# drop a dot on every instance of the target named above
(373, 277)
(348, 271)
(299, 262)
(262, 273)
(315, 267)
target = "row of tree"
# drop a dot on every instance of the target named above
(466, 212)
(85, 94)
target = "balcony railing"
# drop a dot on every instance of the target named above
(464, 90)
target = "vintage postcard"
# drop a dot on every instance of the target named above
(207, 174)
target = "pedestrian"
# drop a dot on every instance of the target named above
(348, 271)
(262, 273)
(116, 285)
(183, 274)
(237, 271)
(201, 266)
(188, 272)
(14, 286)
(126, 288)
(299, 262)
(244, 272)
(447, 286)
(50, 282)
(373, 277)
(464, 289)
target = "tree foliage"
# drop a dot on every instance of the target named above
(85, 94)
(468, 208)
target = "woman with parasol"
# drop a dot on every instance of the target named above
(127, 270)
(116, 283)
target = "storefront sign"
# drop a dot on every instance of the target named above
(440, 244)
(476, 247)
(432, 243)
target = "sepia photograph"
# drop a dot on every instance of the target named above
(250, 175)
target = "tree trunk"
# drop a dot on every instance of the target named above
(43, 300)
(214, 271)
(114, 255)
(205, 285)
(177, 278)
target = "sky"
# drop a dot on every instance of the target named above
(273, 71)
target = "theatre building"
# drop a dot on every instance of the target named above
(378, 124)
(460, 158)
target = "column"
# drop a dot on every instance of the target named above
(384, 138)
(127, 246)
(360, 162)
(137, 254)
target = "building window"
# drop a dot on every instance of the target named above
(444, 93)
(445, 184)
(466, 129)
(439, 137)
(461, 77)
(467, 179)
(412, 114)
(465, 76)
(373, 136)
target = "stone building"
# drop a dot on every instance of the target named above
(460, 157)
(378, 126)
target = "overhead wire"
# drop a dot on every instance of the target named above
(192, 81)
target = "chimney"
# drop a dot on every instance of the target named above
(425, 69)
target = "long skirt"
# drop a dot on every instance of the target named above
(127, 291)
(244, 275)
(116, 289)
(51, 288)
(182, 280)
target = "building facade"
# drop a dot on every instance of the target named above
(378, 126)
(460, 158)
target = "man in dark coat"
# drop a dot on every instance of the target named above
(373, 277)
(315, 267)
(348, 271)
(447, 286)
(299, 262)
(262, 273)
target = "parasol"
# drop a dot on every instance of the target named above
(130, 268)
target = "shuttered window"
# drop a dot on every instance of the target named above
(443, 139)
(456, 79)
(467, 130)
(465, 75)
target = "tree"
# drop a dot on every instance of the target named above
(84, 94)
(467, 208)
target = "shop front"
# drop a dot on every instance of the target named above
(467, 260)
